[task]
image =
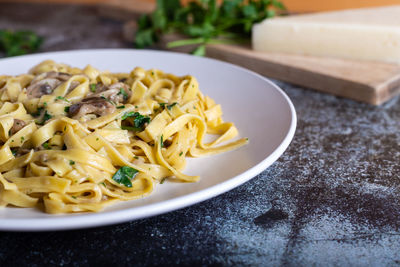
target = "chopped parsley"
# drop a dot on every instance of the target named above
(38, 112)
(103, 183)
(169, 107)
(92, 87)
(139, 121)
(14, 151)
(163, 180)
(108, 100)
(124, 93)
(124, 175)
(71, 162)
(74, 197)
(180, 154)
(46, 145)
(62, 98)
(162, 141)
(120, 107)
(66, 109)
(45, 117)
(22, 139)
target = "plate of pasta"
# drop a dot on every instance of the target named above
(95, 137)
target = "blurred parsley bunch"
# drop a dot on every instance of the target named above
(15, 43)
(204, 21)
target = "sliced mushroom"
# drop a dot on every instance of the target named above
(92, 105)
(113, 92)
(45, 83)
(18, 125)
(62, 76)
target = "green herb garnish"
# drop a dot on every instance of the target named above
(92, 87)
(120, 107)
(45, 117)
(66, 109)
(162, 141)
(163, 180)
(108, 100)
(138, 120)
(38, 112)
(204, 22)
(122, 92)
(15, 43)
(124, 175)
(46, 145)
(169, 107)
(180, 154)
(71, 162)
(62, 98)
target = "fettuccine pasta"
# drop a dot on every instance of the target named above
(76, 140)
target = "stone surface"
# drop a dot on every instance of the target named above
(332, 199)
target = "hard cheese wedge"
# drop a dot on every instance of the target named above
(366, 34)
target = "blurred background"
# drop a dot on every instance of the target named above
(292, 5)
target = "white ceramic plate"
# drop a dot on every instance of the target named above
(261, 111)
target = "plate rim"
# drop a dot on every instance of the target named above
(91, 220)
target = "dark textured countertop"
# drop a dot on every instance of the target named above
(332, 199)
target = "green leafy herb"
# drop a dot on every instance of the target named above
(71, 162)
(22, 139)
(46, 116)
(180, 154)
(14, 151)
(14, 43)
(43, 116)
(66, 109)
(169, 107)
(120, 107)
(127, 115)
(103, 183)
(38, 112)
(204, 22)
(124, 175)
(122, 92)
(74, 197)
(62, 98)
(108, 100)
(162, 141)
(46, 145)
(139, 120)
(130, 128)
(93, 87)
(163, 180)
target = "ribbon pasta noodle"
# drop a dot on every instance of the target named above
(77, 140)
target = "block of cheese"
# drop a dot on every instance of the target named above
(365, 34)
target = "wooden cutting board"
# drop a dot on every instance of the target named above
(370, 82)
(365, 81)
